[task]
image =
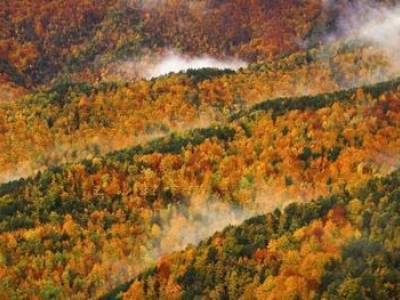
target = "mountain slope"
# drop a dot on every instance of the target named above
(127, 173)
(85, 227)
(344, 246)
(69, 120)
(43, 40)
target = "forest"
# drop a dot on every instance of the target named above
(78, 226)
(275, 179)
(343, 246)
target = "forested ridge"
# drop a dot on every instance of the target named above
(339, 247)
(70, 119)
(265, 166)
(46, 37)
(86, 226)
(43, 40)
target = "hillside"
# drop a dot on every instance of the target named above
(69, 120)
(344, 246)
(199, 149)
(83, 228)
(43, 40)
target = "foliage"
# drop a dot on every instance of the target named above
(68, 120)
(89, 225)
(318, 249)
(114, 175)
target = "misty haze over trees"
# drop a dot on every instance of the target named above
(174, 149)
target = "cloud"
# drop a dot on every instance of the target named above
(199, 220)
(202, 216)
(173, 62)
(373, 26)
(374, 23)
(369, 21)
(155, 65)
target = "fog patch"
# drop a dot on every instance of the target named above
(173, 62)
(370, 22)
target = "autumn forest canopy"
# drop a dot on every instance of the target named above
(201, 149)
